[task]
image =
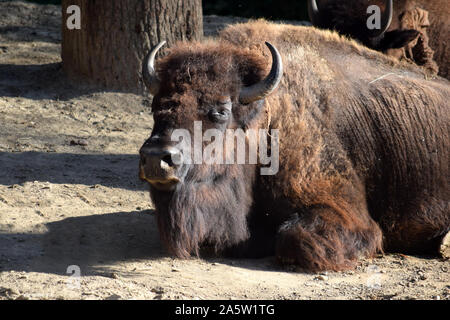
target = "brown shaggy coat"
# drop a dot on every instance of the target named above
(430, 18)
(364, 146)
(438, 30)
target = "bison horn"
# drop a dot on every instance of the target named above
(313, 12)
(151, 80)
(261, 89)
(386, 20)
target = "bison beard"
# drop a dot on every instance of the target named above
(213, 211)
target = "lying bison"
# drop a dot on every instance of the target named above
(363, 148)
(413, 30)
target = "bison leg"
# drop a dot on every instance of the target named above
(326, 239)
(420, 228)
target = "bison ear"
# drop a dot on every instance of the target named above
(398, 39)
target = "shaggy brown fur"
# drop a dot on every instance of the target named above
(430, 20)
(438, 31)
(417, 51)
(364, 144)
(194, 77)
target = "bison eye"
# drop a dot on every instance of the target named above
(219, 116)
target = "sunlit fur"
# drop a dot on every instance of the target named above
(428, 47)
(211, 205)
(364, 142)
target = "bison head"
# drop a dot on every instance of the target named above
(351, 19)
(220, 87)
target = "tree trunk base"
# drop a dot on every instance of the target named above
(114, 37)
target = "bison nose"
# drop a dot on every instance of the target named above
(158, 166)
(166, 157)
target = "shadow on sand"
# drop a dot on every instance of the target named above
(88, 242)
(110, 170)
(43, 81)
(94, 242)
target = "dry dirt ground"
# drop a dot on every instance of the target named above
(70, 196)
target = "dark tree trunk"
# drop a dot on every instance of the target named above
(115, 35)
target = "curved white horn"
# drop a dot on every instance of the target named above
(313, 12)
(151, 80)
(261, 89)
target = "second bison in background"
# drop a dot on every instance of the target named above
(414, 30)
(363, 148)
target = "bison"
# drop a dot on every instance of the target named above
(414, 30)
(363, 149)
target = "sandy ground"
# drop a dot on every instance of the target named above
(71, 202)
